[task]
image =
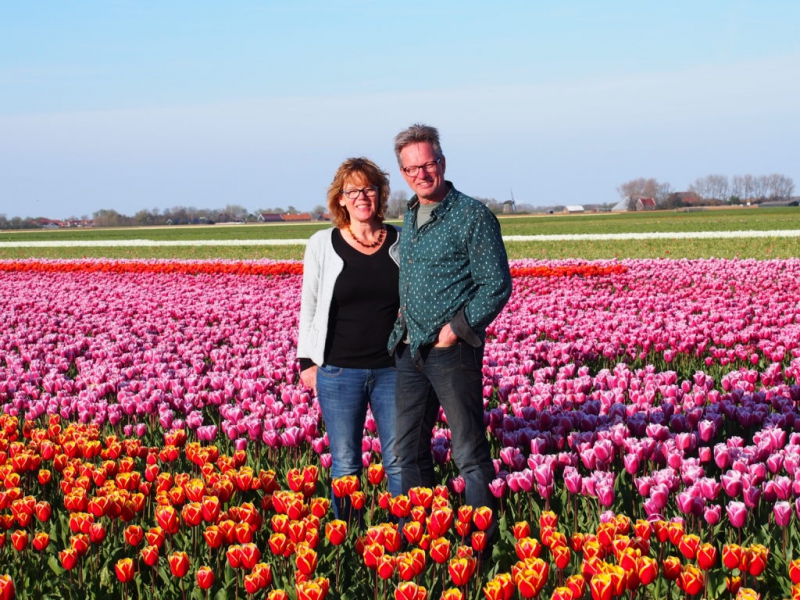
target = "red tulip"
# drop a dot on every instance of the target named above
(312, 590)
(688, 545)
(43, 511)
(528, 548)
(758, 559)
(134, 535)
(306, 560)
(440, 521)
(794, 570)
(601, 586)
(68, 558)
(167, 519)
(648, 570)
(178, 563)
(672, 567)
(400, 506)
(707, 556)
(41, 540)
(408, 590)
(461, 570)
(19, 539)
(336, 531)
(732, 555)
(452, 594)
(124, 569)
(376, 473)
(249, 555)
(691, 580)
(531, 577)
(149, 555)
(385, 566)
(205, 577)
(483, 518)
(7, 591)
(521, 529)
(440, 550)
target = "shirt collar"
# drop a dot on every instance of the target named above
(442, 205)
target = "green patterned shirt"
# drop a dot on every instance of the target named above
(453, 269)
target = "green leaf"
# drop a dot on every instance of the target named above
(55, 566)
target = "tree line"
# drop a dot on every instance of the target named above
(711, 190)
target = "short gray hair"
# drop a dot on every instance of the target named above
(417, 134)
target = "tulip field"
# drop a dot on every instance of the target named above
(156, 442)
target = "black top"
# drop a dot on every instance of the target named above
(365, 302)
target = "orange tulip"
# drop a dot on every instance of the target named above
(501, 587)
(412, 530)
(452, 594)
(421, 496)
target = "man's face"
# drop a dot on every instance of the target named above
(428, 185)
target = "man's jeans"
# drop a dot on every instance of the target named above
(343, 395)
(452, 378)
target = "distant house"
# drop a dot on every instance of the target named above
(621, 206)
(270, 218)
(299, 217)
(645, 204)
(779, 203)
(574, 209)
(50, 224)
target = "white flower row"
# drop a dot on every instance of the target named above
(667, 235)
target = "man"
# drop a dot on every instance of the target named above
(454, 280)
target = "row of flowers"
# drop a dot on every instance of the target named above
(261, 267)
(83, 503)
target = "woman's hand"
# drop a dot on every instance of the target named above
(309, 378)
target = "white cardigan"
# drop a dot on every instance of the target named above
(321, 268)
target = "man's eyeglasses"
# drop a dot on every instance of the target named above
(367, 191)
(429, 167)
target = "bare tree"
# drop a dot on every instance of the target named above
(644, 188)
(711, 187)
(397, 204)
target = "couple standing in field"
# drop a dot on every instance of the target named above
(397, 321)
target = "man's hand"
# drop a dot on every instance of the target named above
(309, 378)
(446, 337)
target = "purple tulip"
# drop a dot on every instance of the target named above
(783, 513)
(712, 514)
(737, 514)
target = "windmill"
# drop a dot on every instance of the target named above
(511, 203)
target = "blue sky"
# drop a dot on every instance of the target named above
(140, 105)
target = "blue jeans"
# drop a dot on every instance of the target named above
(343, 395)
(451, 377)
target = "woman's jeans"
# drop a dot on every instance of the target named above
(344, 395)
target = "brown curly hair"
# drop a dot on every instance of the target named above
(349, 169)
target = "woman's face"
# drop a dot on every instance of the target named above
(364, 206)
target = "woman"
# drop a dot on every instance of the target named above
(349, 305)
